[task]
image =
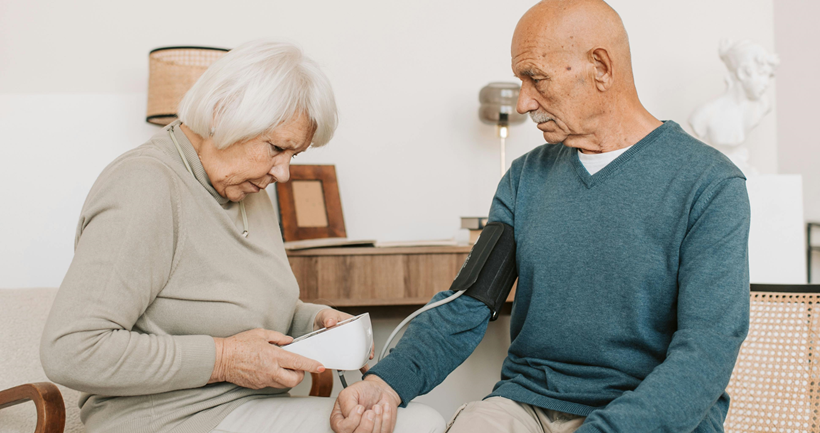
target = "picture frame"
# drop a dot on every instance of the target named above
(309, 204)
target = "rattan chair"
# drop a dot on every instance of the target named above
(775, 385)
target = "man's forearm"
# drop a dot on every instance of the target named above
(679, 394)
(436, 342)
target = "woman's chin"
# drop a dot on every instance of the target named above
(234, 196)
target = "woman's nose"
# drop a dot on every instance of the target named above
(281, 171)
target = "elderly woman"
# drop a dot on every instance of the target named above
(170, 316)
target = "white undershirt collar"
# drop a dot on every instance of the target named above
(595, 162)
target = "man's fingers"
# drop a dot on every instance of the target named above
(297, 362)
(341, 424)
(337, 419)
(367, 422)
(348, 402)
(388, 419)
(377, 422)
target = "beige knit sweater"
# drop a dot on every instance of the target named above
(160, 267)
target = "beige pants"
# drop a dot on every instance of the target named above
(502, 415)
(312, 415)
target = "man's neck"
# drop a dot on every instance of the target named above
(616, 132)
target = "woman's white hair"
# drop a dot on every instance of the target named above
(254, 88)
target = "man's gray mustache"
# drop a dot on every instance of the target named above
(539, 116)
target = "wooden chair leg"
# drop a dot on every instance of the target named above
(48, 400)
(322, 384)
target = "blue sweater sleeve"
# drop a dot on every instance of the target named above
(436, 342)
(439, 340)
(713, 319)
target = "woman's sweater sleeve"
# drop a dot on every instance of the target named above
(303, 318)
(125, 252)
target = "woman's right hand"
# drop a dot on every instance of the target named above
(253, 359)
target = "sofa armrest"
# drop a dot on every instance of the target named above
(51, 408)
(48, 400)
(321, 384)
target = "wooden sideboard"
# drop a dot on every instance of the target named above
(375, 277)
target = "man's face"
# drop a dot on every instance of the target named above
(555, 85)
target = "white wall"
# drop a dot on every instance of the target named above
(410, 153)
(797, 34)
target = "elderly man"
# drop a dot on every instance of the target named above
(631, 237)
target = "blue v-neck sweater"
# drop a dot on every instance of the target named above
(633, 291)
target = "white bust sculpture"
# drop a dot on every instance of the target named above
(726, 121)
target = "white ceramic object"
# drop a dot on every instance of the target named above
(726, 121)
(346, 346)
(777, 236)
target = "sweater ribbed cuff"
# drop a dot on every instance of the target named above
(403, 380)
(197, 358)
(589, 428)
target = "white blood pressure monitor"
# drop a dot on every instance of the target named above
(346, 346)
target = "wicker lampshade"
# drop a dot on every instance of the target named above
(172, 71)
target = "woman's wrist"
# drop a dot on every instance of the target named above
(218, 375)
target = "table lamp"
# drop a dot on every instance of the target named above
(172, 72)
(498, 102)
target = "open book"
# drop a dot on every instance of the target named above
(345, 242)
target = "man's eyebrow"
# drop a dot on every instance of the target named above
(531, 73)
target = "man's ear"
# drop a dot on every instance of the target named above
(603, 68)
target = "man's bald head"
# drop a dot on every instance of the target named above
(574, 62)
(577, 27)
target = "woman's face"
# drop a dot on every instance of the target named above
(248, 167)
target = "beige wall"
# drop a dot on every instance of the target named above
(798, 95)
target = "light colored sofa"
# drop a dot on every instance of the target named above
(23, 314)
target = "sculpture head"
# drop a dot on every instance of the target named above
(750, 65)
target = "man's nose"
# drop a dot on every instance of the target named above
(526, 102)
(281, 171)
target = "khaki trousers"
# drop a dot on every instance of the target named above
(502, 415)
(312, 415)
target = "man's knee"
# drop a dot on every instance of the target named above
(419, 418)
(495, 414)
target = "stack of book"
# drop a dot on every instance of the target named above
(474, 225)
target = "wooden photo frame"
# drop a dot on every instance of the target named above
(309, 204)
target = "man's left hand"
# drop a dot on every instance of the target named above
(369, 406)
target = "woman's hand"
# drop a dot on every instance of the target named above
(253, 359)
(328, 318)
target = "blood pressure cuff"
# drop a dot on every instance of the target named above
(489, 272)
